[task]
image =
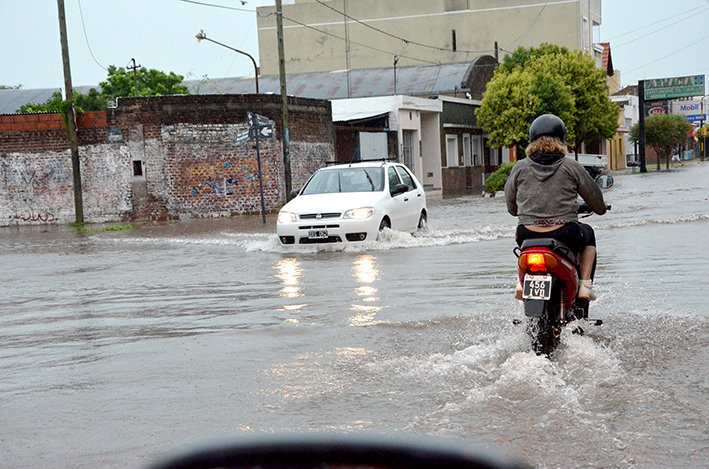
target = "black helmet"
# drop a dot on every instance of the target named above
(548, 124)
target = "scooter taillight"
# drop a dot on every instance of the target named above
(537, 262)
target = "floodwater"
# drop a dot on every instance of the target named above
(118, 347)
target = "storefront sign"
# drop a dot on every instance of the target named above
(668, 88)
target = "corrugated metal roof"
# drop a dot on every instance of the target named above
(412, 81)
(13, 100)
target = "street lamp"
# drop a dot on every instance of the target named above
(201, 36)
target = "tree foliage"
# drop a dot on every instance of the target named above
(547, 79)
(93, 101)
(496, 181)
(119, 83)
(663, 132)
(151, 82)
(513, 100)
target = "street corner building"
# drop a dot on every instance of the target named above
(159, 158)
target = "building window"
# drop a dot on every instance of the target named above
(477, 151)
(467, 155)
(494, 156)
(451, 151)
(408, 149)
(137, 168)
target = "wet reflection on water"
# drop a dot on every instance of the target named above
(366, 271)
(288, 271)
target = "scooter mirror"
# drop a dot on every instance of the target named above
(605, 181)
(339, 452)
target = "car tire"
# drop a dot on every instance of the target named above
(384, 224)
(423, 221)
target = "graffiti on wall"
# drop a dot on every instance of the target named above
(231, 180)
(41, 217)
(39, 179)
(37, 188)
(34, 190)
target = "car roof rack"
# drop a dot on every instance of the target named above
(374, 160)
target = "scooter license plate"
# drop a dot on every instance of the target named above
(317, 233)
(537, 287)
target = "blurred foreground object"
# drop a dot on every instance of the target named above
(341, 452)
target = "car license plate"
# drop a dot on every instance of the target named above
(537, 287)
(317, 234)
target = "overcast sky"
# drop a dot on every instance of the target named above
(649, 38)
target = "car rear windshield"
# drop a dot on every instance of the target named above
(328, 181)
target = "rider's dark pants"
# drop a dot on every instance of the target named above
(576, 235)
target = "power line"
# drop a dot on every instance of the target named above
(331, 34)
(407, 41)
(658, 30)
(357, 43)
(531, 25)
(86, 36)
(217, 6)
(658, 22)
(669, 55)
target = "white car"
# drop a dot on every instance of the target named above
(353, 202)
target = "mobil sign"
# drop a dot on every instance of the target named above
(691, 109)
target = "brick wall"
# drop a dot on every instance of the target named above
(36, 185)
(45, 132)
(192, 165)
(184, 145)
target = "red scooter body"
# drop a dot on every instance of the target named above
(549, 275)
(541, 260)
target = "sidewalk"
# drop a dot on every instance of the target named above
(652, 167)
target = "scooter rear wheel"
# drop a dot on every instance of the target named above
(546, 329)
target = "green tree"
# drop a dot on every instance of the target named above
(119, 83)
(496, 181)
(664, 133)
(5, 87)
(513, 100)
(151, 82)
(566, 83)
(522, 55)
(53, 104)
(93, 101)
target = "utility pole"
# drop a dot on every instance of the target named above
(285, 137)
(641, 128)
(396, 61)
(70, 115)
(134, 68)
(347, 50)
(701, 127)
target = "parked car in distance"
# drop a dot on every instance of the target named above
(353, 202)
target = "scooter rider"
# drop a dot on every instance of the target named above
(542, 191)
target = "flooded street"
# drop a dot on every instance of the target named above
(117, 347)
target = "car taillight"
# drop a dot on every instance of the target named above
(537, 262)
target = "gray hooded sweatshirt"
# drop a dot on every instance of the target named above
(545, 187)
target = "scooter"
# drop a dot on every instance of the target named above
(549, 274)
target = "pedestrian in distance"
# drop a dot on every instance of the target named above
(675, 157)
